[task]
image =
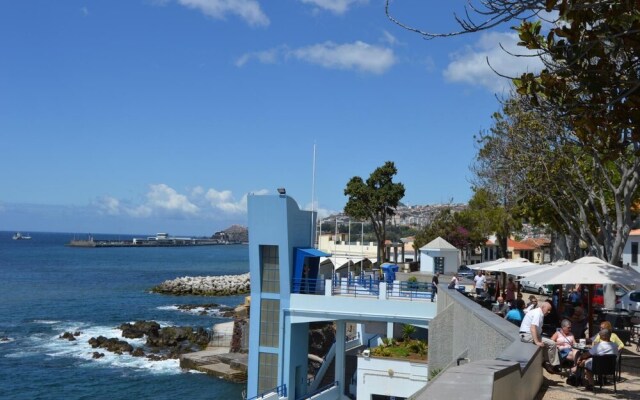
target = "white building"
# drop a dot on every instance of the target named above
(630, 252)
(439, 256)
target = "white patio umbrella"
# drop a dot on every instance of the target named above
(586, 271)
(528, 269)
(487, 264)
(509, 264)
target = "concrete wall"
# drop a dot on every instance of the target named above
(495, 364)
(388, 377)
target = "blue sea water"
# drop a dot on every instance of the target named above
(47, 288)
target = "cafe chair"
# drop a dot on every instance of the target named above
(602, 366)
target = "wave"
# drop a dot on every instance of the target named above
(54, 346)
(6, 339)
(214, 312)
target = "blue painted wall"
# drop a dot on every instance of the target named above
(275, 220)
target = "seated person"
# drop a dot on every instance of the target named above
(614, 338)
(533, 303)
(564, 341)
(604, 346)
(578, 322)
(501, 308)
(515, 316)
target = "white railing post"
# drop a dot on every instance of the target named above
(382, 294)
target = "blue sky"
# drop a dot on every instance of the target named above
(143, 116)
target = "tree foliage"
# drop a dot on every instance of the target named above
(375, 200)
(560, 181)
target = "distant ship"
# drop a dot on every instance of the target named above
(20, 236)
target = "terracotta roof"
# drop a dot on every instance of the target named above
(519, 245)
(537, 242)
(634, 232)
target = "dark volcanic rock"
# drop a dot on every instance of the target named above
(139, 329)
(97, 354)
(113, 345)
(138, 352)
(68, 335)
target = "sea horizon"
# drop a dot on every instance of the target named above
(49, 288)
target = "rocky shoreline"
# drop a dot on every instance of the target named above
(224, 285)
(161, 343)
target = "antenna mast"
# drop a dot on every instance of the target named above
(313, 190)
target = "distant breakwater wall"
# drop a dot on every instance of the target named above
(224, 285)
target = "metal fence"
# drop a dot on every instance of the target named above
(308, 286)
(409, 290)
(280, 390)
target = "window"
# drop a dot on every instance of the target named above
(267, 371)
(634, 296)
(269, 322)
(270, 267)
(438, 264)
(634, 253)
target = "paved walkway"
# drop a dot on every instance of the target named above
(556, 388)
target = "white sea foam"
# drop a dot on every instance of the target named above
(54, 346)
(6, 339)
(194, 311)
(45, 321)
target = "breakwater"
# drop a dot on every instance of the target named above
(224, 285)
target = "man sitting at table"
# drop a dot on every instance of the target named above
(501, 308)
(613, 339)
(604, 346)
(531, 332)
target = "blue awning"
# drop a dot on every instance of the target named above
(300, 255)
(311, 252)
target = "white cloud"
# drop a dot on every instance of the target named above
(108, 205)
(358, 56)
(166, 198)
(162, 200)
(271, 56)
(335, 6)
(389, 39)
(322, 212)
(248, 10)
(470, 65)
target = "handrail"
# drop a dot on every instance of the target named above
(410, 290)
(280, 390)
(308, 286)
(318, 391)
(324, 367)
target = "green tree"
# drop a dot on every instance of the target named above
(375, 200)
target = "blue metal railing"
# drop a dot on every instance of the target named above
(318, 391)
(308, 286)
(410, 290)
(280, 390)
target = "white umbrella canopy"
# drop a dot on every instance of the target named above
(528, 269)
(585, 271)
(487, 264)
(510, 264)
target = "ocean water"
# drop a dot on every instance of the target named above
(47, 288)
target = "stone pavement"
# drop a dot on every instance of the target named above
(556, 388)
